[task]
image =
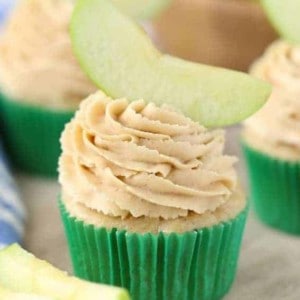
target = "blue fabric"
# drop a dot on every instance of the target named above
(12, 213)
(8, 234)
(5, 8)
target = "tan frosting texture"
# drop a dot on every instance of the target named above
(275, 129)
(136, 159)
(36, 60)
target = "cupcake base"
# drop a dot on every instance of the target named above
(275, 189)
(31, 135)
(199, 264)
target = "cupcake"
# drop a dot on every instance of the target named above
(271, 140)
(41, 83)
(229, 33)
(149, 201)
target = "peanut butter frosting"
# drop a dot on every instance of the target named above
(138, 160)
(275, 129)
(36, 61)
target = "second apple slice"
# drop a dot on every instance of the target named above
(9, 295)
(285, 16)
(121, 60)
(21, 272)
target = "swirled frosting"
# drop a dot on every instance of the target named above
(36, 60)
(275, 129)
(136, 159)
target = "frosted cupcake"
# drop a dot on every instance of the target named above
(149, 201)
(229, 33)
(41, 82)
(272, 140)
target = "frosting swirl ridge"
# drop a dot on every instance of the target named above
(136, 159)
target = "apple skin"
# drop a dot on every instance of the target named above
(122, 61)
(284, 15)
(21, 272)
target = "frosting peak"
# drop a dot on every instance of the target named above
(36, 60)
(137, 159)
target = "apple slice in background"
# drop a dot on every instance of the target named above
(142, 9)
(121, 60)
(285, 17)
(21, 272)
(9, 295)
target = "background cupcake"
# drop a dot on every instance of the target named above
(41, 82)
(167, 221)
(271, 140)
(227, 33)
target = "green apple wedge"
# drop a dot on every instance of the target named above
(285, 17)
(121, 60)
(21, 272)
(6, 294)
(143, 9)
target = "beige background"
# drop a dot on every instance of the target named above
(228, 33)
(269, 267)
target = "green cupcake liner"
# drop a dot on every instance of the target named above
(200, 264)
(31, 135)
(274, 189)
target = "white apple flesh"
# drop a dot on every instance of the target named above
(6, 294)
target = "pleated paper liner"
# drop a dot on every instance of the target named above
(275, 189)
(31, 135)
(200, 264)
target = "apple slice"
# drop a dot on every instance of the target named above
(6, 294)
(9, 295)
(122, 61)
(285, 17)
(142, 9)
(21, 272)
